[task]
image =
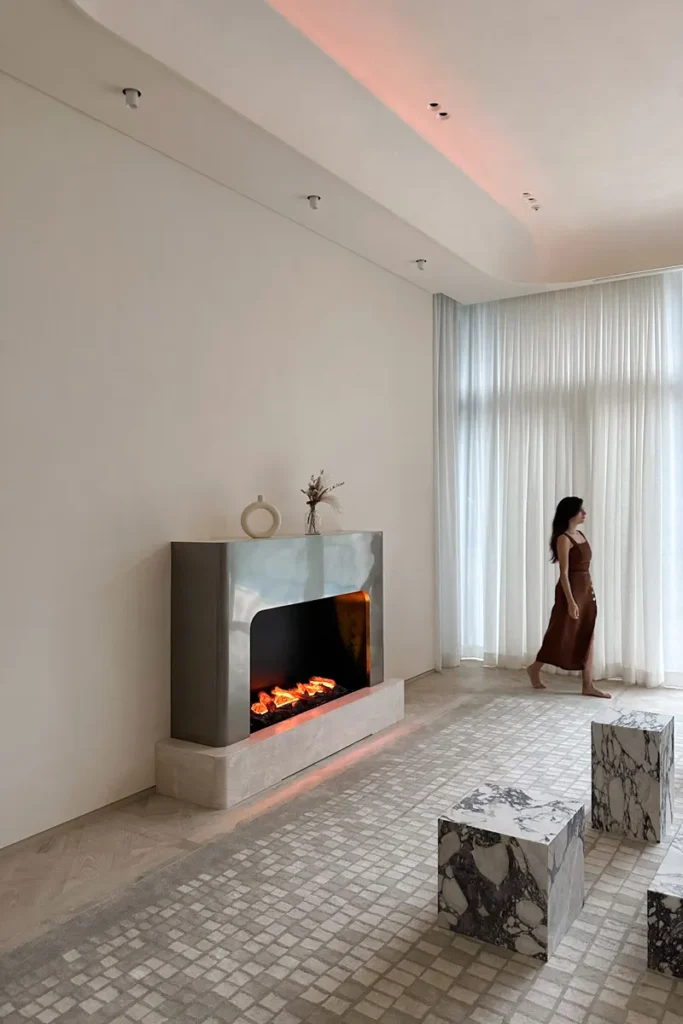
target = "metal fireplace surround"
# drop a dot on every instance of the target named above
(218, 587)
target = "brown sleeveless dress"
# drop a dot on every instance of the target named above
(567, 641)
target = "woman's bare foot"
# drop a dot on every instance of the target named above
(534, 674)
(592, 691)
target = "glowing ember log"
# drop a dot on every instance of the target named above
(279, 697)
(284, 697)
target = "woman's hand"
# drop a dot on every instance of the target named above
(573, 609)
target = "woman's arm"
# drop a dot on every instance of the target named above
(563, 546)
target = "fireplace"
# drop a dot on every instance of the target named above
(299, 619)
(286, 625)
(304, 655)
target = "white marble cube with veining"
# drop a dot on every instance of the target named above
(511, 868)
(665, 914)
(632, 772)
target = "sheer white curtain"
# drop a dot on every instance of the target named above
(574, 392)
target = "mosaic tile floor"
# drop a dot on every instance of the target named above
(325, 909)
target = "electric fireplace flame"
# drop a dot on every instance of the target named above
(279, 697)
(307, 654)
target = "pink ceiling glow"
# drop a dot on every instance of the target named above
(377, 45)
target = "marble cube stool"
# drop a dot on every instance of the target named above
(632, 755)
(665, 914)
(511, 868)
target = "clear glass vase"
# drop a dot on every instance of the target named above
(313, 521)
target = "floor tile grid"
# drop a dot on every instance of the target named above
(353, 933)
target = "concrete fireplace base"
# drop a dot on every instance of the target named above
(221, 777)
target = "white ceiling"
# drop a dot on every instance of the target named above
(575, 103)
(578, 103)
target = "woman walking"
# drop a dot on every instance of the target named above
(568, 642)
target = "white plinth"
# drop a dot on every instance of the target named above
(633, 773)
(511, 868)
(665, 913)
(221, 777)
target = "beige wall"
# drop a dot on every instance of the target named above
(168, 350)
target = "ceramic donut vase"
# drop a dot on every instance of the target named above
(261, 506)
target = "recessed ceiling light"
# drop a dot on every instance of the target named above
(443, 115)
(434, 106)
(532, 201)
(132, 98)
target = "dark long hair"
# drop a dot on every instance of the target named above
(566, 510)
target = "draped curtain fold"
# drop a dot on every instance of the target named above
(573, 392)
